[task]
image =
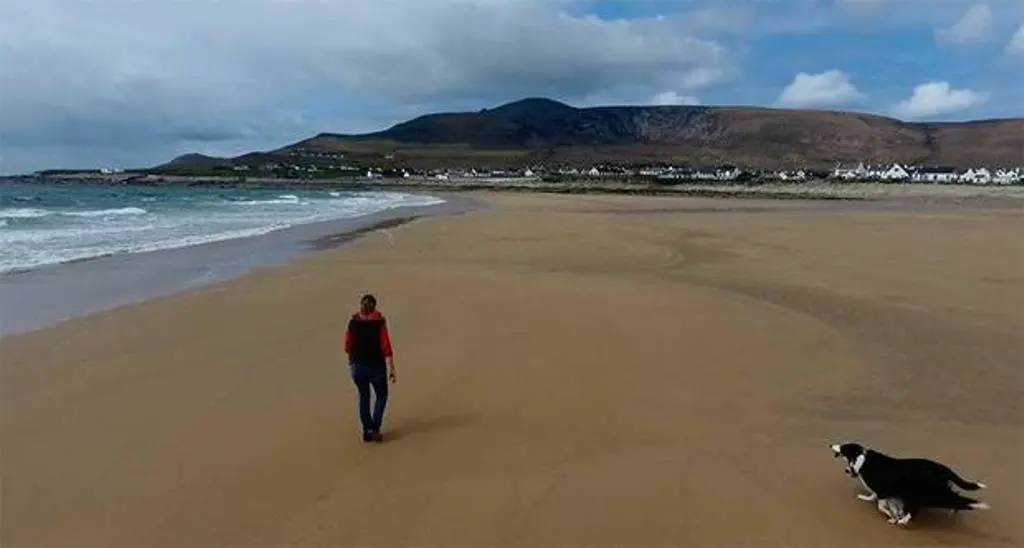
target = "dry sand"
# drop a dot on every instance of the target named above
(573, 371)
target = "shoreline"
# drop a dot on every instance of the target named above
(338, 239)
(772, 190)
(44, 296)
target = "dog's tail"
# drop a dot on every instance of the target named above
(964, 484)
(954, 501)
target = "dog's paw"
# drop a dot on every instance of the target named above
(904, 520)
(869, 498)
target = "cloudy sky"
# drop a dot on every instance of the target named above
(93, 83)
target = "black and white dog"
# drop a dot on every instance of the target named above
(901, 487)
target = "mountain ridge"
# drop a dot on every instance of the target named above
(538, 130)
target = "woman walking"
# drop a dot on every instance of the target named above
(371, 363)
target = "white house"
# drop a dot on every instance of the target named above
(874, 171)
(935, 175)
(720, 173)
(798, 175)
(593, 172)
(895, 172)
(727, 173)
(977, 176)
(862, 171)
(848, 172)
(1007, 176)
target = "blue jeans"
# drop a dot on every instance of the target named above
(366, 376)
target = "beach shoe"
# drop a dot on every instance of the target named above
(368, 436)
(377, 437)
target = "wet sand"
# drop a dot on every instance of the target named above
(573, 371)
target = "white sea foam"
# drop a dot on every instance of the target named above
(279, 200)
(36, 213)
(43, 256)
(23, 213)
(107, 212)
(37, 236)
(264, 202)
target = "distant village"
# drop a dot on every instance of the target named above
(320, 165)
(860, 172)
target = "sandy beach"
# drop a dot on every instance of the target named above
(572, 371)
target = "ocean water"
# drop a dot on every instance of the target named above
(50, 223)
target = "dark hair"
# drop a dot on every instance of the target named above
(369, 299)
